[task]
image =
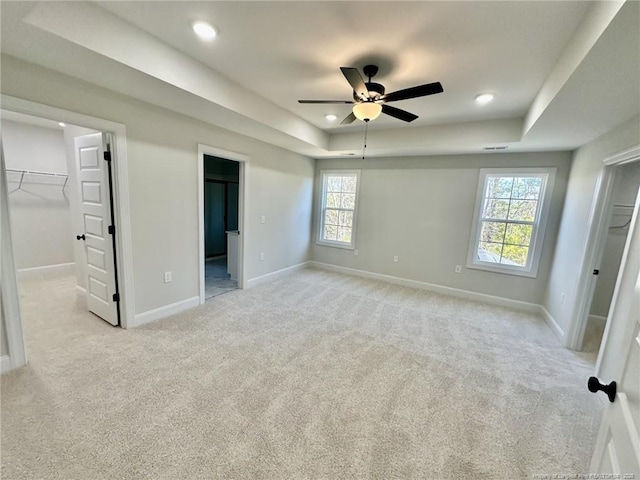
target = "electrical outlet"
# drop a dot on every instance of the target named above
(395, 258)
(263, 219)
(168, 277)
(261, 256)
(356, 252)
(458, 268)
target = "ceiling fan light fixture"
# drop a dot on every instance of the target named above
(204, 31)
(367, 111)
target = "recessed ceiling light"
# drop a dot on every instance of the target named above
(484, 98)
(331, 117)
(62, 124)
(204, 31)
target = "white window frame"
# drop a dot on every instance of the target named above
(539, 226)
(322, 207)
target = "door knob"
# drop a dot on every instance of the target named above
(594, 385)
(80, 237)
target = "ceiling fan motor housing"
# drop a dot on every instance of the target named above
(375, 90)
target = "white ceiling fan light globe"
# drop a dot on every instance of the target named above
(367, 111)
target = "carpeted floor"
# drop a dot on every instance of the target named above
(313, 376)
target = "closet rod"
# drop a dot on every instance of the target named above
(35, 172)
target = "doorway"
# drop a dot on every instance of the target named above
(60, 199)
(612, 211)
(221, 189)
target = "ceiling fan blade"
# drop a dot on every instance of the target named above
(413, 92)
(348, 119)
(398, 113)
(326, 101)
(356, 81)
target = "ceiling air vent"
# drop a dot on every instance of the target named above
(496, 148)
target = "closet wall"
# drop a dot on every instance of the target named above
(39, 209)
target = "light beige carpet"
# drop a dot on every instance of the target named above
(313, 376)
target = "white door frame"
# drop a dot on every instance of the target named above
(124, 254)
(243, 164)
(597, 230)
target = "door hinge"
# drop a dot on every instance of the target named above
(596, 271)
(111, 229)
(107, 156)
(116, 297)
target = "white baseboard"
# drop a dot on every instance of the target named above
(454, 292)
(553, 325)
(252, 282)
(166, 311)
(5, 362)
(46, 269)
(597, 319)
(81, 291)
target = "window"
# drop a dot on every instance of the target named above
(509, 222)
(338, 208)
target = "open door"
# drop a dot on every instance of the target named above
(93, 158)
(617, 449)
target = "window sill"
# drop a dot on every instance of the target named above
(488, 267)
(336, 245)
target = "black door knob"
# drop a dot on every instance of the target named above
(594, 385)
(80, 237)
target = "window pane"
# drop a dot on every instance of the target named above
(349, 184)
(518, 234)
(499, 187)
(495, 208)
(331, 217)
(492, 232)
(330, 232)
(523, 210)
(334, 183)
(348, 201)
(346, 219)
(512, 255)
(333, 200)
(527, 187)
(344, 234)
(489, 252)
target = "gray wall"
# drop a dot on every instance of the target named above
(421, 209)
(624, 193)
(40, 210)
(162, 149)
(586, 167)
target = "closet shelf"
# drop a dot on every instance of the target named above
(28, 173)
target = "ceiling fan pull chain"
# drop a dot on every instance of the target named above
(366, 128)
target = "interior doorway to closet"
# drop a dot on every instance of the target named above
(221, 221)
(59, 184)
(626, 184)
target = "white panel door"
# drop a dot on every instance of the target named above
(617, 449)
(95, 209)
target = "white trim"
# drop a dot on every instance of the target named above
(6, 364)
(121, 187)
(81, 291)
(46, 268)
(321, 206)
(553, 325)
(547, 174)
(243, 164)
(597, 319)
(454, 292)
(283, 272)
(593, 250)
(625, 156)
(166, 311)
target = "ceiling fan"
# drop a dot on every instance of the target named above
(369, 98)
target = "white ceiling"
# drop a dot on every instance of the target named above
(545, 62)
